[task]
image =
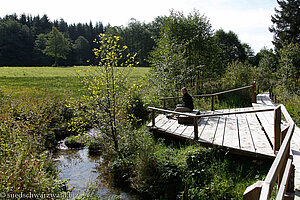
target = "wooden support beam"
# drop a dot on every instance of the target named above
(277, 130)
(253, 92)
(253, 191)
(195, 128)
(153, 118)
(164, 104)
(212, 103)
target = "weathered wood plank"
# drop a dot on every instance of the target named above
(219, 134)
(261, 143)
(162, 121)
(231, 138)
(174, 127)
(168, 124)
(246, 141)
(202, 123)
(208, 133)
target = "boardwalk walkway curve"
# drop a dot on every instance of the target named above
(246, 131)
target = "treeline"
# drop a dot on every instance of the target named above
(24, 41)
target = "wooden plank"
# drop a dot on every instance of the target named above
(246, 141)
(202, 123)
(157, 119)
(168, 124)
(208, 133)
(174, 127)
(231, 138)
(180, 129)
(162, 121)
(261, 143)
(219, 135)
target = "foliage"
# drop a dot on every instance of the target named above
(16, 43)
(74, 142)
(83, 49)
(95, 146)
(230, 46)
(160, 171)
(289, 68)
(169, 69)
(109, 91)
(57, 45)
(238, 74)
(138, 37)
(137, 109)
(286, 23)
(25, 124)
(266, 68)
(39, 47)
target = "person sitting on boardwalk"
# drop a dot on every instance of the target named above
(188, 104)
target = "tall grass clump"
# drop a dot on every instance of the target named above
(27, 133)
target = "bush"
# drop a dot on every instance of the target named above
(159, 171)
(95, 147)
(137, 109)
(24, 163)
(74, 142)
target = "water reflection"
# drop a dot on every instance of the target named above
(81, 168)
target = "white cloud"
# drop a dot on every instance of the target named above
(250, 19)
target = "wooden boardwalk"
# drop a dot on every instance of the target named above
(238, 132)
(249, 134)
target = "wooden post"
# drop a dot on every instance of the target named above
(153, 118)
(271, 92)
(253, 92)
(212, 103)
(195, 128)
(253, 191)
(283, 134)
(277, 130)
(164, 104)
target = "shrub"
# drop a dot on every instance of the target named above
(24, 163)
(74, 142)
(95, 147)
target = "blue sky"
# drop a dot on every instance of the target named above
(249, 19)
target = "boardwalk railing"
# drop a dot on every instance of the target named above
(196, 117)
(253, 94)
(281, 169)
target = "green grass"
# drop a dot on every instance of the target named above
(56, 81)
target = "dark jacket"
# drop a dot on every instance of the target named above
(188, 101)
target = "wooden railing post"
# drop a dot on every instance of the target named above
(164, 103)
(212, 103)
(253, 92)
(277, 130)
(153, 118)
(271, 92)
(253, 191)
(195, 128)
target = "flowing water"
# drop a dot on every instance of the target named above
(80, 169)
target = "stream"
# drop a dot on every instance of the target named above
(80, 168)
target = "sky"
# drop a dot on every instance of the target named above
(249, 19)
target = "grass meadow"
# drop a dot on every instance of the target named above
(54, 81)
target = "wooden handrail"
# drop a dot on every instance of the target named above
(281, 167)
(253, 94)
(209, 95)
(278, 163)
